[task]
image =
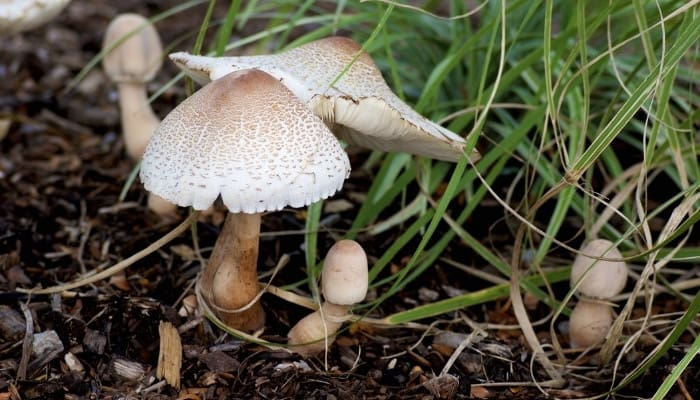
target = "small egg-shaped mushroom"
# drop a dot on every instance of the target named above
(344, 282)
(601, 278)
(590, 321)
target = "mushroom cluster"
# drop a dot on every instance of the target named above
(342, 85)
(260, 134)
(344, 282)
(598, 274)
(247, 138)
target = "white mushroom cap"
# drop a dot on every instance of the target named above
(22, 15)
(138, 58)
(603, 279)
(345, 276)
(247, 138)
(360, 106)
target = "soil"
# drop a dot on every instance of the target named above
(62, 169)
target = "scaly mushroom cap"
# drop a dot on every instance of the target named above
(359, 106)
(603, 279)
(137, 59)
(247, 138)
(344, 279)
(22, 15)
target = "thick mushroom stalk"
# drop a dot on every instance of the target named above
(133, 61)
(344, 282)
(357, 104)
(248, 139)
(593, 279)
(230, 280)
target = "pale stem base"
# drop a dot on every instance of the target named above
(308, 336)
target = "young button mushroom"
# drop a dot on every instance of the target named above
(359, 107)
(131, 62)
(600, 279)
(590, 321)
(22, 15)
(595, 278)
(247, 138)
(344, 282)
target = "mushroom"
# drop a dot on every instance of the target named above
(133, 59)
(248, 139)
(344, 282)
(590, 321)
(600, 279)
(131, 62)
(22, 15)
(598, 272)
(357, 104)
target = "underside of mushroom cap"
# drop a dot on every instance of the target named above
(359, 106)
(249, 139)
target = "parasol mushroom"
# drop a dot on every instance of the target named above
(359, 107)
(246, 138)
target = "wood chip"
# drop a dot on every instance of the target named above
(74, 365)
(219, 361)
(94, 341)
(443, 387)
(170, 355)
(126, 369)
(4, 127)
(11, 324)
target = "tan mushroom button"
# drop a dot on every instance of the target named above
(601, 278)
(134, 50)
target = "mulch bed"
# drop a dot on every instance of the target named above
(62, 168)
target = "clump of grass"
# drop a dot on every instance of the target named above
(587, 114)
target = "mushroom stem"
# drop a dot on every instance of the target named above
(138, 124)
(308, 335)
(230, 279)
(138, 120)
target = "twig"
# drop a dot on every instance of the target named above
(120, 266)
